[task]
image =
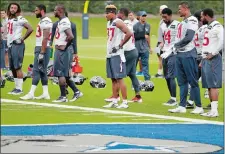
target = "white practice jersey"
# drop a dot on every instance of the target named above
(115, 36)
(161, 29)
(213, 39)
(199, 37)
(45, 23)
(190, 23)
(15, 28)
(169, 35)
(60, 34)
(130, 45)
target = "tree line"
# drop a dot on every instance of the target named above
(98, 6)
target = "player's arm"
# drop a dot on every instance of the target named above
(28, 32)
(125, 30)
(46, 33)
(69, 37)
(53, 32)
(190, 33)
(218, 32)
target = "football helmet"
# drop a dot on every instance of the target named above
(97, 82)
(147, 86)
(78, 79)
(30, 71)
(50, 68)
(9, 76)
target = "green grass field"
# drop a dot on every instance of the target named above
(92, 54)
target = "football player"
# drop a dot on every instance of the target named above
(115, 62)
(15, 42)
(168, 56)
(42, 54)
(212, 60)
(186, 64)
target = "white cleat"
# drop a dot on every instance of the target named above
(27, 97)
(179, 109)
(197, 110)
(123, 106)
(43, 96)
(111, 105)
(111, 99)
(211, 114)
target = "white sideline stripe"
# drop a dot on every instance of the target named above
(117, 112)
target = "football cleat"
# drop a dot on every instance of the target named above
(43, 96)
(76, 96)
(179, 109)
(170, 102)
(123, 106)
(111, 105)
(210, 114)
(17, 92)
(197, 110)
(27, 97)
(60, 99)
(111, 99)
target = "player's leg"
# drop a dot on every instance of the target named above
(60, 72)
(131, 57)
(169, 73)
(191, 70)
(214, 81)
(183, 84)
(36, 76)
(145, 65)
(6, 55)
(43, 75)
(17, 53)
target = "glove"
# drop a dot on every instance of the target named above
(18, 41)
(115, 49)
(157, 50)
(40, 57)
(166, 54)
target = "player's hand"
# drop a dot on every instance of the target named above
(115, 49)
(161, 45)
(209, 56)
(61, 47)
(19, 41)
(165, 55)
(40, 57)
(150, 51)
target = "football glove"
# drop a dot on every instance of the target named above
(40, 57)
(115, 49)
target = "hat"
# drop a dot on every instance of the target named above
(163, 7)
(143, 13)
(138, 13)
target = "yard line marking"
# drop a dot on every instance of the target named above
(116, 112)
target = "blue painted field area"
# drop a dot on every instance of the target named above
(201, 133)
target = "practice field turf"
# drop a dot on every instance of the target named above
(92, 58)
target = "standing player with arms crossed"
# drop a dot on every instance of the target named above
(168, 57)
(115, 64)
(16, 45)
(212, 60)
(42, 54)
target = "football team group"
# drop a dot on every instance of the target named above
(186, 50)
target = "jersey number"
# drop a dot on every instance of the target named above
(10, 27)
(196, 40)
(206, 39)
(179, 31)
(110, 30)
(57, 35)
(167, 36)
(38, 32)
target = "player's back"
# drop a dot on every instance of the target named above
(60, 34)
(45, 23)
(115, 36)
(191, 23)
(15, 28)
(169, 34)
(130, 45)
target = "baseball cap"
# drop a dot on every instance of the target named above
(163, 7)
(143, 13)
